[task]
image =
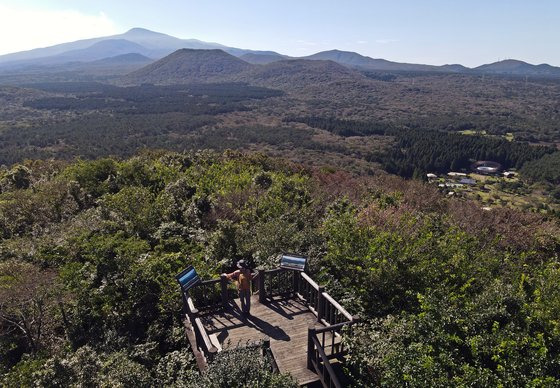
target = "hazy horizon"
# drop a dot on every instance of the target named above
(434, 32)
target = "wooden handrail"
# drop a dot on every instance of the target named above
(211, 281)
(207, 296)
(310, 281)
(315, 346)
(190, 306)
(320, 304)
(336, 327)
(262, 290)
(267, 351)
(224, 290)
(255, 282)
(209, 348)
(337, 306)
(326, 364)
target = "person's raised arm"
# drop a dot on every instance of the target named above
(231, 275)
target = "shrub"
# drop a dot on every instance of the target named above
(241, 368)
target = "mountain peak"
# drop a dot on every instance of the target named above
(138, 30)
(339, 53)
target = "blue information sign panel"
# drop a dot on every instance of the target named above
(293, 262)
(188, 278)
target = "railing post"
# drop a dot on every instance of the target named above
(295, 285)
(255, 283)
(211, 354)
(265, 345)
(224, 287)
(185, 307)
(320, 303)
(262, 291)
(310, 347)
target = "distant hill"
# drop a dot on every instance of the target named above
(515, 67)
(104, 49)
(131, 58)
(507, 67)
(301, 74)
(100, 69)
(138, 40)
(262, 59)
(355, 60)
(157, 45)
(117, 65)
(455, 68)
(189, 65)
(315, 71)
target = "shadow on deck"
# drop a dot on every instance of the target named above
(285, 321)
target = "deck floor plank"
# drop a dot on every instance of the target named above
(284, 321)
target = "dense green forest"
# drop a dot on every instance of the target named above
(417, 151)
(449, 294)
(105, 196)
(194, 99)
(545, 169)
(105, 120)
(88, 119)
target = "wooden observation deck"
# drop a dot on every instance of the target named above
(298, 323)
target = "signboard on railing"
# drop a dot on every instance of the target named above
(188, 278)
(293, 262)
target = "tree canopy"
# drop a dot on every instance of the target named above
(449, 294)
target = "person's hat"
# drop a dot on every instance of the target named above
(242, 264)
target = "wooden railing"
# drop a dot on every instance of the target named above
(319, 362)
(209, 295)
(308, 291)
(324, 343)
(203, 339)
(275, 282)
(327, 310)
(267, 352)
(206, 297)
(331, 312)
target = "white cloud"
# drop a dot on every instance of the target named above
(362, 42)
(25, 28)
(386, 41)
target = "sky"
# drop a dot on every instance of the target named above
(470, 32)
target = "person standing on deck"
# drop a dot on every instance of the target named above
(243, 276)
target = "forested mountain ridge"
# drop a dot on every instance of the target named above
(97, 244)
(188, 65)
(158, 45)
(515, 67)
(355, 60)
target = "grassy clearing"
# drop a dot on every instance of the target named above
(470, 132)
(497, 191)
(516, 194)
